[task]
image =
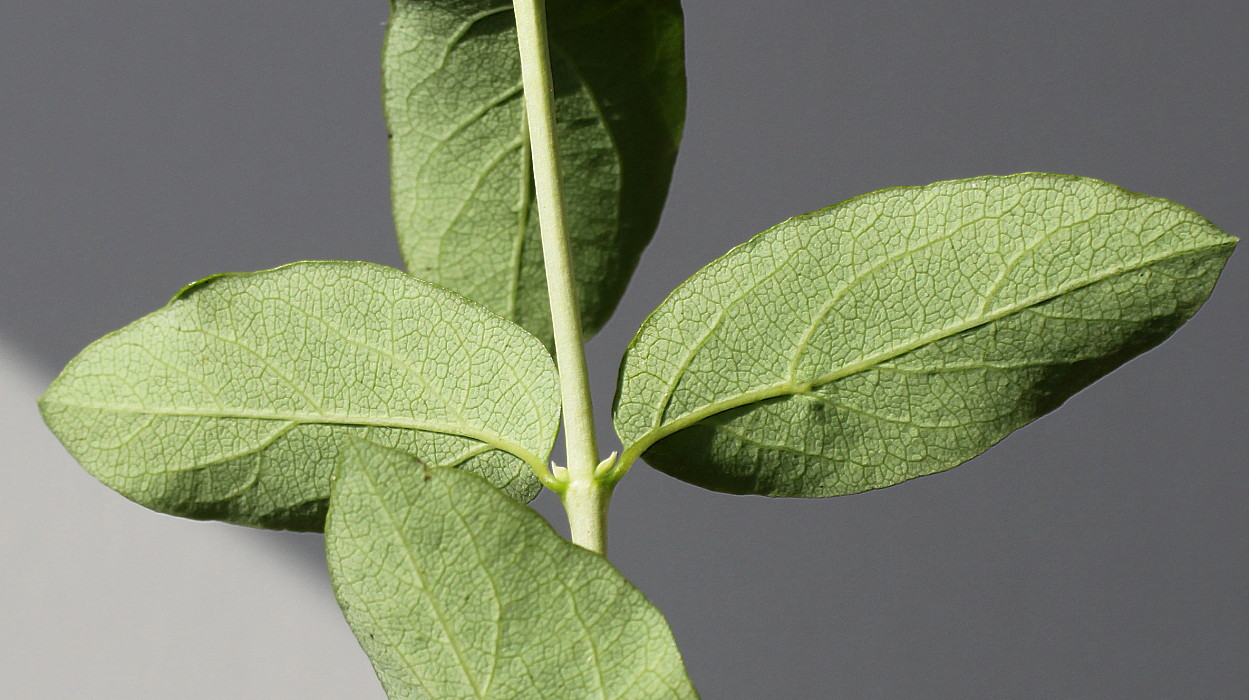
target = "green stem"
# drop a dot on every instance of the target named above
(585, 498)
(586, 503)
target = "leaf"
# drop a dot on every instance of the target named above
(233, 401)
(903, 332)
(460, 169)
(455, 591)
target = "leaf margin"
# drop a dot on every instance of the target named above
(295, 517)
(638, 447)
(341, 580)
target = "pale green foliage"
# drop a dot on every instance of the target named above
(892, 336)
(462, 181)
(903, 332)
(233, 401)
(455, 591)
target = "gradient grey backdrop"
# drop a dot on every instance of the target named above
(1102, 552)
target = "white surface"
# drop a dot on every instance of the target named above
(103, 599)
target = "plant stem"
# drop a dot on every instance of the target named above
(586, 503)
(585, 498)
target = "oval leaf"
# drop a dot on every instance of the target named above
(455, 591)
(460, 168)
(233, 401)
(906, 331)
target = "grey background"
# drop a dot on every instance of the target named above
(1102, 552)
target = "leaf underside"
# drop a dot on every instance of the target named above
(460, 166)
(455, 591)
(233, 401)
(903, 332)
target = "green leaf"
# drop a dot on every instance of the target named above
(233, 401)
(462, 185)
(902, 333)
(455, 591)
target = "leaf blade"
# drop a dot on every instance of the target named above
(960, 263)
(461, 185)
(232, 401)
(455, 591)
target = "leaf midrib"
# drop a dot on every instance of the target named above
(790, 387)
(406, 545)
(481, 435)
(516, 262)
